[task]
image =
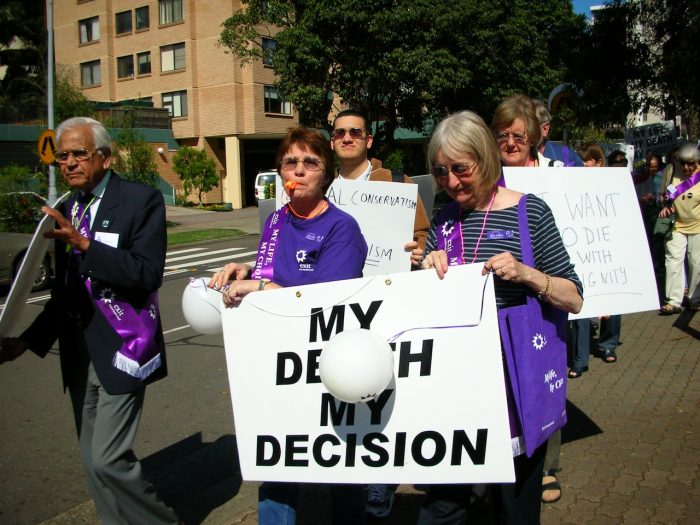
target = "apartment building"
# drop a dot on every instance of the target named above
(167, 52)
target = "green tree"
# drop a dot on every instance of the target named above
(406, 62)
(196, 170)
(133, 158)
(69, 100)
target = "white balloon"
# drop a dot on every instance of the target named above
(356, 365)
(202, 307)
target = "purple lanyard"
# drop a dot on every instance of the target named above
(673, 192)
(138, 355)
(267, 251)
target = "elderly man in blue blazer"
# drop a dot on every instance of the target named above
(110, 252)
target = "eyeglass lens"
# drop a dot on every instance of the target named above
(355, 133)
(438, 170)
(310, 163)
(78, 155)
(517, 138)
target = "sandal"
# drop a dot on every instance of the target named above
(669, 309)
(608, 355)
(575, 373)
(550, 485)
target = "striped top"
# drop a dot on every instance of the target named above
(548, 249)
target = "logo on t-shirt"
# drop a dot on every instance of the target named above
(301, 257)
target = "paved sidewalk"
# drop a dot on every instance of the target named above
(631, 450)
(188, 219)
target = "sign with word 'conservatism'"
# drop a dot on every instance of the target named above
(443, 417)
(600, 222)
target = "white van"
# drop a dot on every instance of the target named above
(262, 179)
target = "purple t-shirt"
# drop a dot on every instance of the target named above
(329, 247)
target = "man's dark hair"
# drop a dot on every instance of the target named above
(614, 155)
(353, 113)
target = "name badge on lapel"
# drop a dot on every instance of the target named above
(110, 239)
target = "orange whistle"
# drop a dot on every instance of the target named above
(290, 185)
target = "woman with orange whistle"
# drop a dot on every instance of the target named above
(307, 241)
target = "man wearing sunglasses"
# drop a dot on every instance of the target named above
(351, 140)
(110, 254)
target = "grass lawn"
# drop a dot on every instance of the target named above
(175, 238)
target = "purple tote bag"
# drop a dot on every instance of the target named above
(534, 344)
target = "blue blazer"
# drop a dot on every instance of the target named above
(136, 213)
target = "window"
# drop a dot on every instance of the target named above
(125, 67)
(144, 63)
(142, 19)
(170, 11)
(172, 57)
(90, 73)
(89, 29)
(274, 104)
(124, 22)
(268, 46)
(176, 103)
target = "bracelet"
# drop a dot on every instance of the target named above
(546, 294)
(262, 284)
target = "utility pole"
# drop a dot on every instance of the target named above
(50, 105)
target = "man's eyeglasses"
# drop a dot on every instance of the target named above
(518, 138)
(310, 163)
(438, 170)
(79, 155)
(355, 133)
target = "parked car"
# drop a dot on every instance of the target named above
(20, 213)
(262, 179)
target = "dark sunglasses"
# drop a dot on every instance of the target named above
(355, 133)
(688, 163)
(438, 170)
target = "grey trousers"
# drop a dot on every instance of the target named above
(106, 426)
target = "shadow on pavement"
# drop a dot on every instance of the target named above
(683, 323)
(195, 478)
(578, 425)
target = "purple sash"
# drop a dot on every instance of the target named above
(267, 251)
(449, 233)
(674, 192)
(138, 356)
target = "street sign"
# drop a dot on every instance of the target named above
(47, 146)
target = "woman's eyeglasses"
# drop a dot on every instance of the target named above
(355, 133)
(688, 163)
(518, 138)
(310, 163)
(460, 170)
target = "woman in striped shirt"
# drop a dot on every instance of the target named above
(465, 162)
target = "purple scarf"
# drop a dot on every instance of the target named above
(138, 356)
(267, 251)
(673, 192)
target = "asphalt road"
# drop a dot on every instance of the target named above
(186, 438)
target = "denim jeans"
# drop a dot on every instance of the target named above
(610, 328)
(579, 343)
(277, 504)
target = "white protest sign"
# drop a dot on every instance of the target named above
(22, 283)
(598, 216)
(385, 212)
(443, 417)
(651, 138)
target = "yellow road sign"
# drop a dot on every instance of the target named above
(47, 146)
